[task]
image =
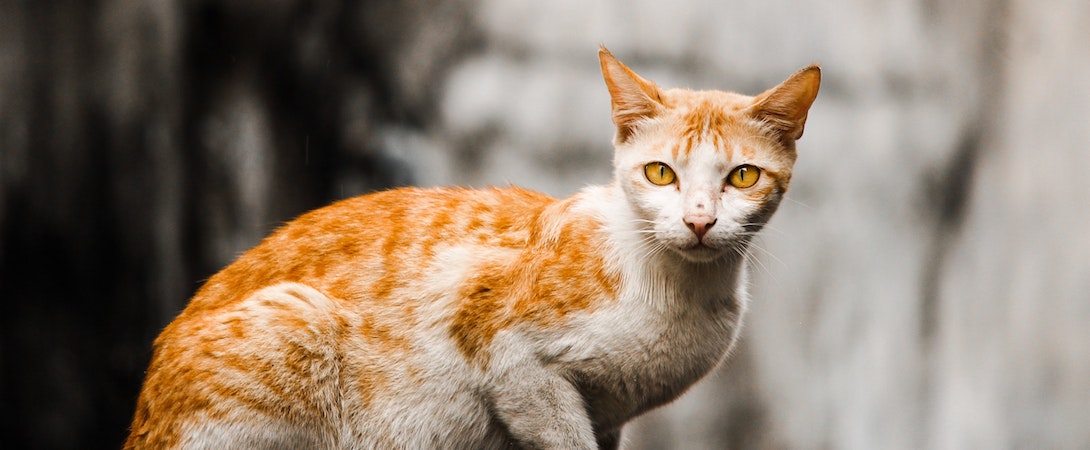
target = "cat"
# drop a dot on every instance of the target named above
(496, 318)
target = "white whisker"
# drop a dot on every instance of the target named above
(764, 226)
(770, 255)
(756, 262)
(804, 205)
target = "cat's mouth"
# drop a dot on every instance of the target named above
(703, 251)
(699, 252)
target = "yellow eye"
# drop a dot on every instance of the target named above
(744, 176)
(659, 174)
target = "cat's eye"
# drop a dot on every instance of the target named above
(744, 176)
(659, 174)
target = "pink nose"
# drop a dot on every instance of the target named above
(700, 226)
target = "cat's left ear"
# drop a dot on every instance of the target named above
(784, 107)
(634, 99)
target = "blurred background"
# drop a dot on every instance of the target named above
(926, 285)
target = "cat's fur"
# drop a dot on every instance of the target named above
(457, 318)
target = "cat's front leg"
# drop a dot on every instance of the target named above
(540, 408)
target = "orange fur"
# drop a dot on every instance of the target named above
(537, 287)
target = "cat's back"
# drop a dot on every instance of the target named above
(382, 237)
(367, 280)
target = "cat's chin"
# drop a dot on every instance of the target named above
(699, 253)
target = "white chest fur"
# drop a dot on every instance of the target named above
(666, 331)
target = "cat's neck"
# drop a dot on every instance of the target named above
(658, 275)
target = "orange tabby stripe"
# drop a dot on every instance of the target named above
(556, 276)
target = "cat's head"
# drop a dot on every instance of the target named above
(704, 170)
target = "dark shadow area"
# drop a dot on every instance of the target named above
(142, 146)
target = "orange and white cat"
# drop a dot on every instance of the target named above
(497, 318)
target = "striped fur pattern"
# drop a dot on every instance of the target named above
(494, 318)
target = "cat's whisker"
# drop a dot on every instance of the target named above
(656, 247)
(792, 200)
(756, 262)
(653, 249)
(747, 233)
(764, 226)
(770, 255)
(647, 245)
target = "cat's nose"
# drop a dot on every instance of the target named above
(700, 225)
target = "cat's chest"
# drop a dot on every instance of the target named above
(643, 355)
(658, 344)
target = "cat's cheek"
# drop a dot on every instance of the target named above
(652, 203)
(735, 209)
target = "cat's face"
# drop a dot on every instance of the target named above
(704, 171)
(705, 193)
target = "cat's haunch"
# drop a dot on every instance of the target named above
(497, 318)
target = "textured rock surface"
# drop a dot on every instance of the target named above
(926, 285)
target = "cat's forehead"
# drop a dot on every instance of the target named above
(687, 99)
(709, 121)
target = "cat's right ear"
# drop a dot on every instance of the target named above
(633, 98)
